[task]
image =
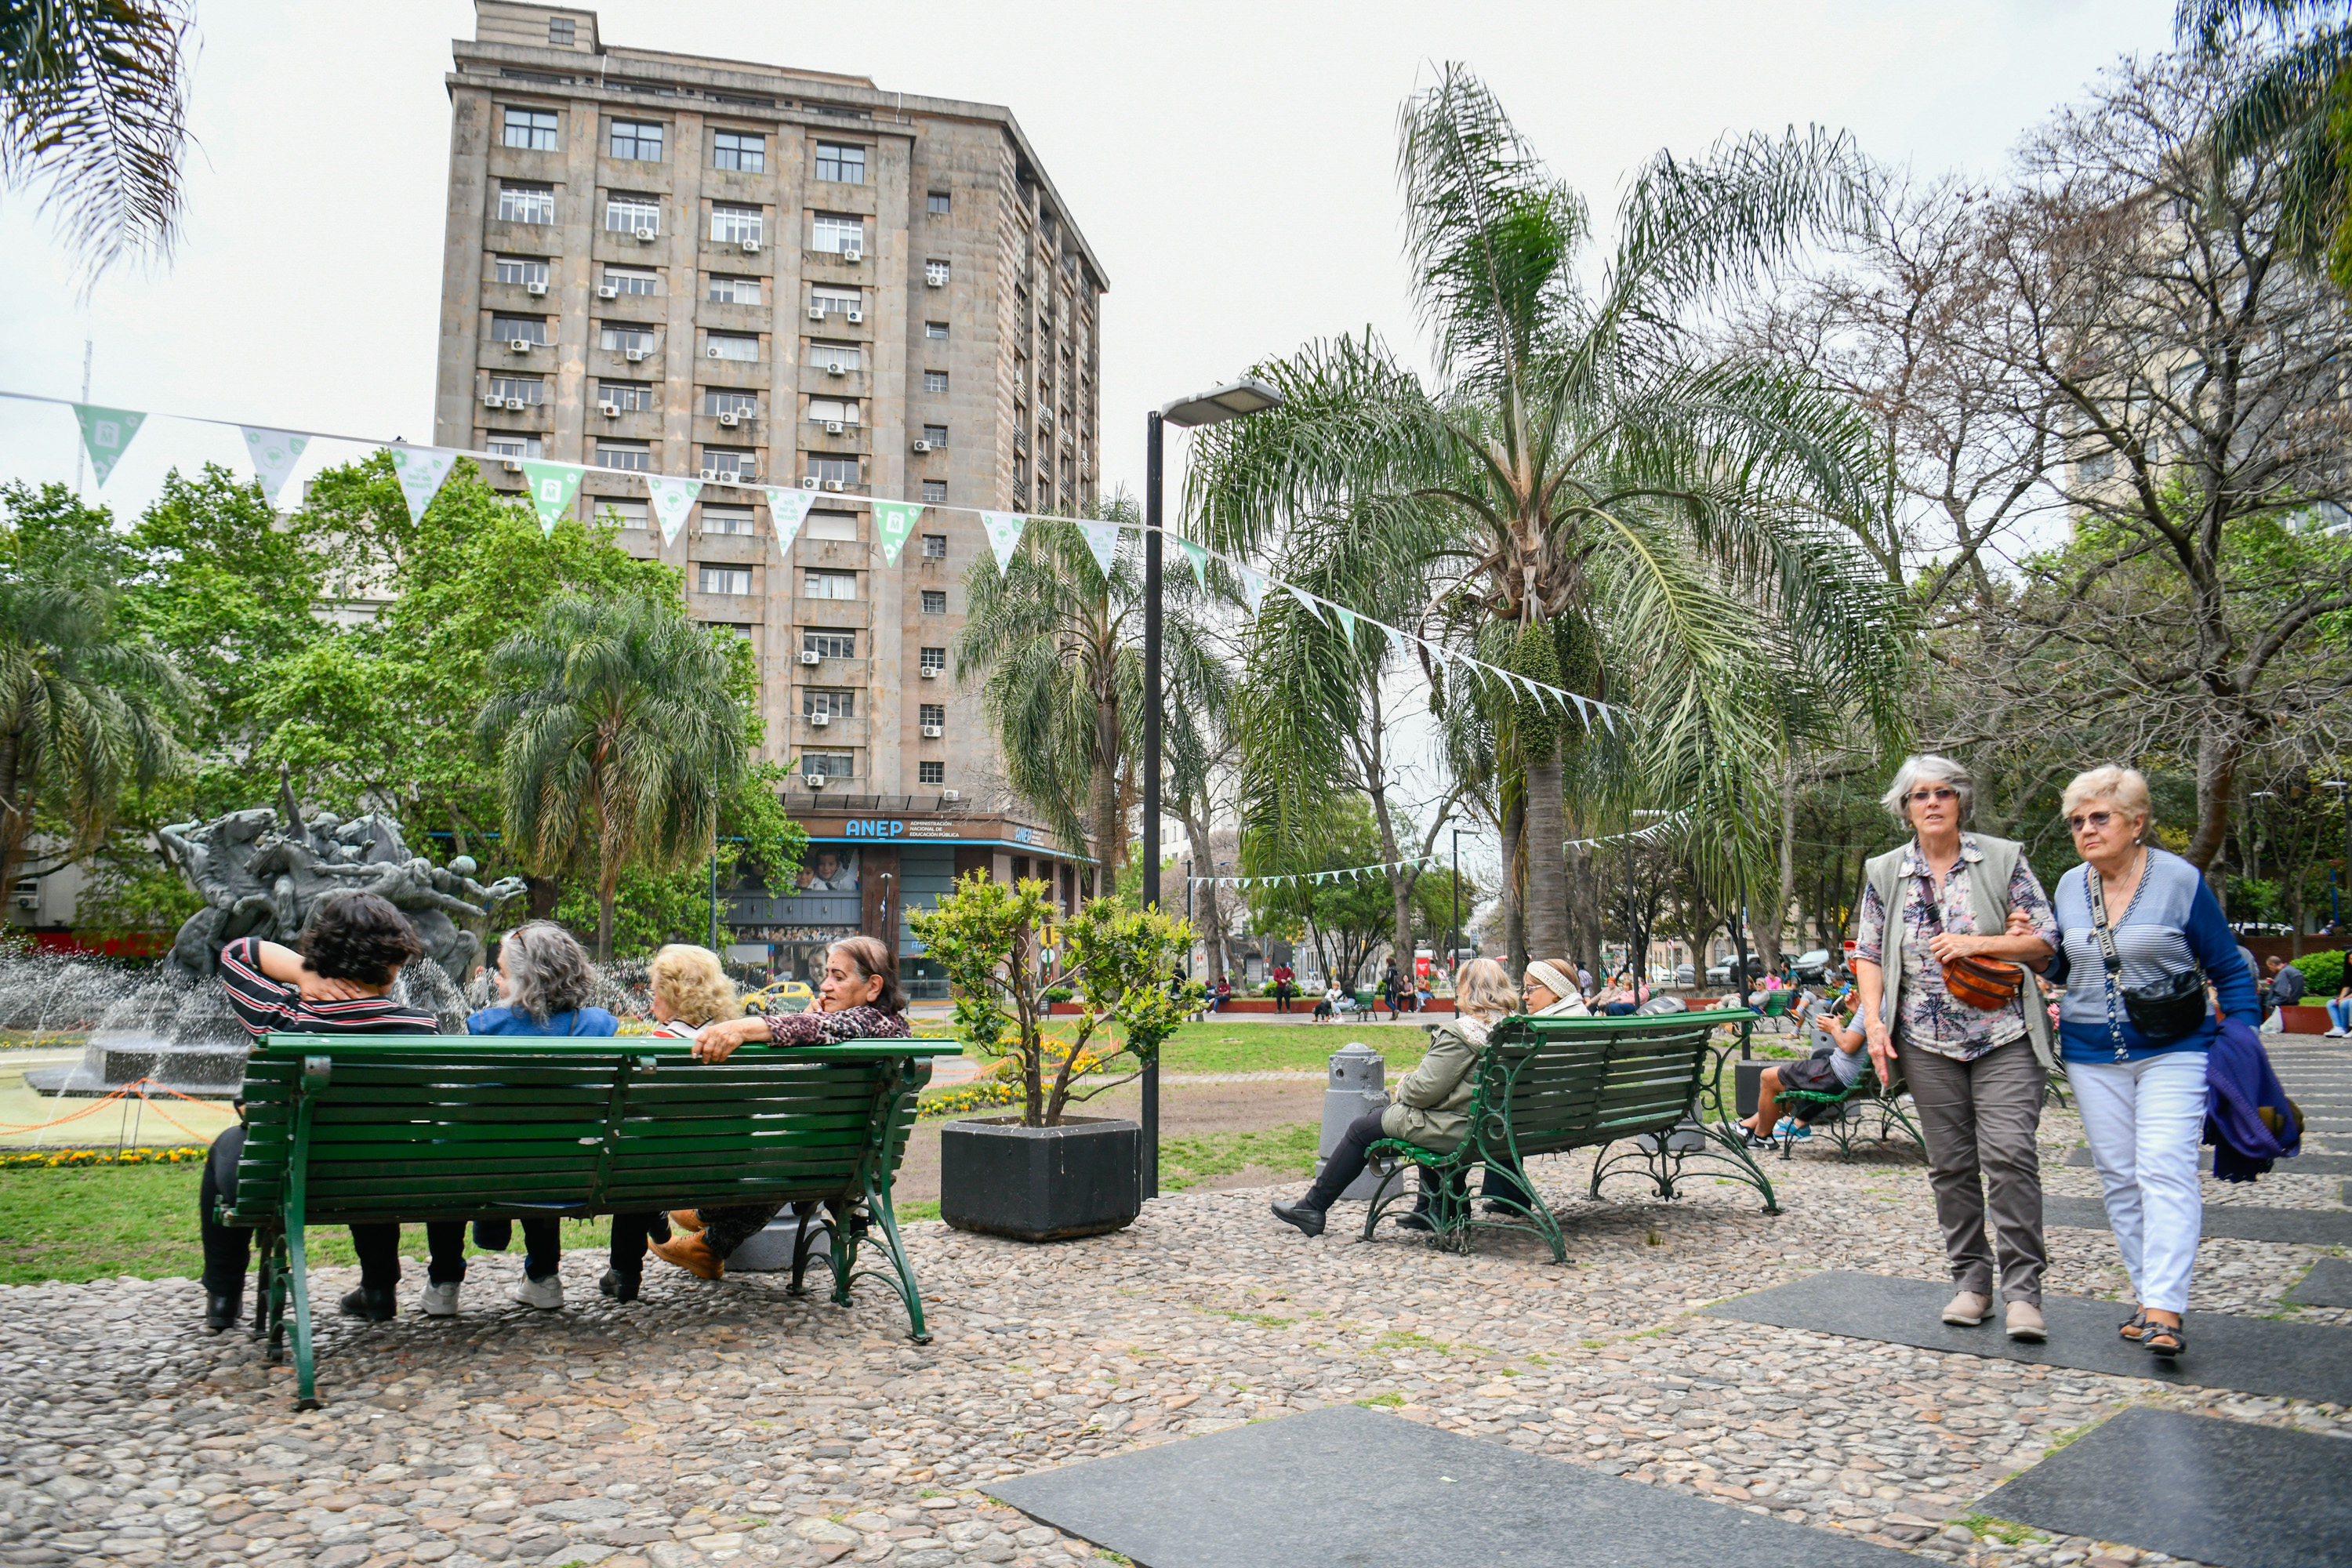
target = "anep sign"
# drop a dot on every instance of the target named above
(879, 828)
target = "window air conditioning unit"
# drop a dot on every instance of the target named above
(751, 248)
(608, 291)
(492, 400)
(922, 446)
(609, 410)
(835, 367)
(515, 405)
(834, 485)
(534, 289)
(930, 672)
(711, 351)
(636, 354)
(809, 656)
(708, 475)
(519, 345)
(815, 781)
(852, 252)
(730, 420)
(853, 316)
(816, 312)
(811, 483)
(647, 235)
(820, 720)
(934, 280)
(832, 426)
(1045, 416)
(933, 732)
(950, 795)
(511, 466)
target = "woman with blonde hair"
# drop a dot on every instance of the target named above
(1432, 1103)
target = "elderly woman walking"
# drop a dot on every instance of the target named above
(2139, 925)
(1946, 919)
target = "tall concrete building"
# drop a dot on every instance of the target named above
(664, 264)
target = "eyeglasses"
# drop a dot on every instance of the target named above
(2097, 820)
(1922, 796)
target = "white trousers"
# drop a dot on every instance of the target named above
(2145, 1120)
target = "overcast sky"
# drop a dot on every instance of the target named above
(1231, 166)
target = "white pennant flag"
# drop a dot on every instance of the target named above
(1399, 640)
(420, 471)
(1306, 600)
(1102, 538)
(1254, 587)
(1004, 530)
(1605, 717)
(788, 506)
(1577, 698)
(672, 499)
(273, 453)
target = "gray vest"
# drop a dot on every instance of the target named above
(1988, 902)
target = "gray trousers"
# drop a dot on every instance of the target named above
(1980, 1118)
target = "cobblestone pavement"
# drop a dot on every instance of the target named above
(710, 1423)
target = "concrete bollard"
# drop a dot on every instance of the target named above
(771, 1251)
(1359, 1077)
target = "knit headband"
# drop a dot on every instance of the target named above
(1549, 976)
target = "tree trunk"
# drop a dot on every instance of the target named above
(1768, 929)
(1515, 918)
(2217, 777)
(1212, 940)
(607, 884)
(1106, 823)
(16, 814)
(1583, 910)
(1547, 833)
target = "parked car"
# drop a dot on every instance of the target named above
(1719, 974)
(1813, 965)
(1682, 976)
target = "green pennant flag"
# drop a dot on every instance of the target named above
(894, 524)
(1197, 555)
(107, 433)
(552, 485)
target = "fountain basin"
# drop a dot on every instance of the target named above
(204, 1071)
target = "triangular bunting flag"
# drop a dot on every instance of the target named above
(1606, 718)
(672, 499)
(894, 524)
(273, 453)
(1004, 530)
(1577, 698)
(107, 433)
(1347, 619)
(1198, 554)
(1254, 587)
(1102, 538)
(788, 508)
(1306, 600)
(552, 485)
(420, 471)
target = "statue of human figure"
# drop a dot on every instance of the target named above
(216, 859)
(416, 888)
(374, 839)
(297, 879)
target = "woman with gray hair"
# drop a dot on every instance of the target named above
(1946, 921)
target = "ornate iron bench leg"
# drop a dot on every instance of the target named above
(265, 1246)
(306, 1391)
(802, 1238)
(1392, 1188)
(908, 1292)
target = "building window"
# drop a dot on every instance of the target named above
(936, 434)
(935, 601)
(632, 215)
(745, 405)
(829, 644)
(638, 140)
(533, 129)
(840, 162)
(625, 515)
(935, 328)
(738, 150)
(837, 232)
(2098, 466)
(729, 463)
(737, 224)
(614, 338)
(634, 456)
(526, 204)
(531, 389)
(935, 547)
(827, 764)
(935, 492)
(829, 586)
(832, 470)
(935, 659)
(520, 269)
(729, 345)
(726, 519)
(832, 704)
(528, 329)
(933, 714)
(931, 773)
(836, 301)
(629, 280)
(938, 203)
(559, 31)
(735, 290)
(935, 273)
(723, 579)
(834, 358)
(834, 525)
(512, 446)
(628, 396)
(935, 381)
(832, 410)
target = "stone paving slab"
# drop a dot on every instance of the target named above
(2313, 1227)
(2329, 1284)
(1343, 1486)
(2209, 1491)
(2305, 1164)
(2251, 1355)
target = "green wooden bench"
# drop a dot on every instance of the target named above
(1545, 1086)
(1844, 1117)
(346, 1129)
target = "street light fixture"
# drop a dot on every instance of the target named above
(1234, 400)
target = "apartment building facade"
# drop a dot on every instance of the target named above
(661, 264)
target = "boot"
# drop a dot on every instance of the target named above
(619, 1286)
(374, 1303)
(223, 1308)
(688, 1220)
(692, 1253)
(1302, 1214)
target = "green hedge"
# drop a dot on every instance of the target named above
(2322, 974)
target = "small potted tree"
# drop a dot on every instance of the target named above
(1046, 1175)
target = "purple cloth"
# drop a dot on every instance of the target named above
(2238, 1087)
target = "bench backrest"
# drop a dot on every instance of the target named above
(422, 1127)
(1551, 1084)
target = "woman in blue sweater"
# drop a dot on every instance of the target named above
(2143, 938)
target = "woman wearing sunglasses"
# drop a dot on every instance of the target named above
(1946, 921)
(2143, 937)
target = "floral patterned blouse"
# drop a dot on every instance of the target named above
(815, 1028)
(1928, 1016)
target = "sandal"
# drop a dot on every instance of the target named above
(2135, 1329)
(2166, 1342)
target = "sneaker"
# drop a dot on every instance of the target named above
(546, 1294)
(439, 1300)
(1791, 1128)
(1761, 1140)
(2334, 1033)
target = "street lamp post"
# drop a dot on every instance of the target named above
(1232, 401)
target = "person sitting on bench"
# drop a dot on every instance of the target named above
(858, 1000)
(1326, 1006)
(1833, 1070)
(338, 983)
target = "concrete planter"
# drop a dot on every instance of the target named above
(2301, 1020)
(1040, 1184)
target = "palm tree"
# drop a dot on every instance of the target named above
(85, 709)
(91, 105)
(1590, 494)
(2296, 100)
(1055, 646)
(617, 733)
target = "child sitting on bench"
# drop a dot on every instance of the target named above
(1831, 1069)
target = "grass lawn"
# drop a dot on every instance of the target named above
(1224, 1045)
(1188, 1162)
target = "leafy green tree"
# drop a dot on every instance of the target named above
(2292, 104)
(651, 908)
(1591, 494)
(616, 729)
